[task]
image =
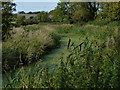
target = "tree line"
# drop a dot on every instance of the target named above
(64, 12)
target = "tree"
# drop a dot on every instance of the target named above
(60, 13)
(83, 11)
(57, 15)
(7, 9)
(110, 11)
(21, 12)
(43, 17)
(75, 11)
(30, 12)
(20, 20)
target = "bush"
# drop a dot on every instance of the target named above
(56, 37)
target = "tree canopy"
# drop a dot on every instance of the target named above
(110, 11)
(7, 9)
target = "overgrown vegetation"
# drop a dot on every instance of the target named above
(93, 63)
(7, 9)
(27, 45)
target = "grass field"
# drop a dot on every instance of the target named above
(91, 61)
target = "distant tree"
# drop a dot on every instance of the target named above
(33, 12)
(36, 12)
(75, 11)
(7, 9)
(83, 11)
(20, 20)
(30, 12)
(59, 14)
(29, 21)
(21, 12)
(43, 17)
(35, 20)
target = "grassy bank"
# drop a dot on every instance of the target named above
(28, 44)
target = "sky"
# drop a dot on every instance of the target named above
(36, 0)
(37, 5)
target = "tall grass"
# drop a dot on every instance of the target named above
(90, 64)
(103, 23)
(92, 32)
(27, 45)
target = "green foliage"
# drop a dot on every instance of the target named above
(58, 15)
(7, 9)
(99, 23)
(20, 20)
(69, 12)
(84, 11)
(114, 23)
(21, 12)
(56, 37)
(72, 12)
(23, 21)
(88, 65)
(64, 29)
(110, 11)
(103, 23)
(91, 31)
(92, 63)
(43, 17)
(30, 21)
(27, 45)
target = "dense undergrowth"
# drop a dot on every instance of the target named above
(93, 63)
(103, 23)
(88, 65)
(27, 45)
